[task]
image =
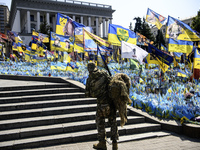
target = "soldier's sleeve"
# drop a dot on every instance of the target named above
(87, 91)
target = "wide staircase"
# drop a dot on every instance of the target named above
(58, 113)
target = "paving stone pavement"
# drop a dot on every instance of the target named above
(172, 142)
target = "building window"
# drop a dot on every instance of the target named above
(51, 20)
(32, 17)
(33, 27)
(41, 18)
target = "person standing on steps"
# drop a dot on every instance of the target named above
(97, 87)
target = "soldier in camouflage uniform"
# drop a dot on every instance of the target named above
(97, 86)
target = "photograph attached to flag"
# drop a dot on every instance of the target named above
(117, 33)
(129, 50)
(155, 18)
(61, 43)
(179, 30)
(196, 64)
(66, 25)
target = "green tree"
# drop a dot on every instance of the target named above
(138, 24)
(196, 22)
(131, 26)
(143, 28)
(45, 29)
(159, 39)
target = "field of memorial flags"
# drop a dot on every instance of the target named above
(160, 84)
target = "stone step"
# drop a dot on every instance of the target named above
(47, 111)
(58, 128)
(6, 100)
(64, 138)
(140, 136)
(45, 120)
(38, 92)
(48, 103)
(24, 87)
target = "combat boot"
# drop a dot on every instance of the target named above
(114, 146)
(100, 146)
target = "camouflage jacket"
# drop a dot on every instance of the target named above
(97, 86)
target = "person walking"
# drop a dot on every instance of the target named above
(97, 87)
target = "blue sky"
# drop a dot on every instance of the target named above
(126, 10)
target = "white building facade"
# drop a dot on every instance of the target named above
(27, 15)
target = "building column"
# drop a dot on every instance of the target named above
(100, 29)
(89, 21)
(74, 17)
(107, 26)
(47, 18)
(82, 20)
(110, 20)
(104, 28)
(54, 23)
(28, 22)
(18, 16)
(38, 21)
(97, 26)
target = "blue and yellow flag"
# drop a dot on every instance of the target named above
(61, 43)
(178, 30)
(196, 64)
(65, 25)
(79, 33)
(38, 40)
(101, 61)
(155, 18)
(163, 58)
(91, 41)
(14, 37)
(117, 33)
(180, 36)
(27, 53)
(14, 46)
(180, 46)
(151, 59)
(180, 73)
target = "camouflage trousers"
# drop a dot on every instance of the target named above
(104, 111)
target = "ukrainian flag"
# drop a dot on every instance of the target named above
(155, 18)
(34, 40)
(43, 38)
(78, 47)
(91, 41)
(117, 33)
(101, 61)
(79, 33)
(178, 30)
(196, 59)
(63, 22)
(62, 43)
(27, 53)
(180, 73)
(180, 46)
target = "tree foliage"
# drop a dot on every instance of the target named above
(196, 22)
(143, 28)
